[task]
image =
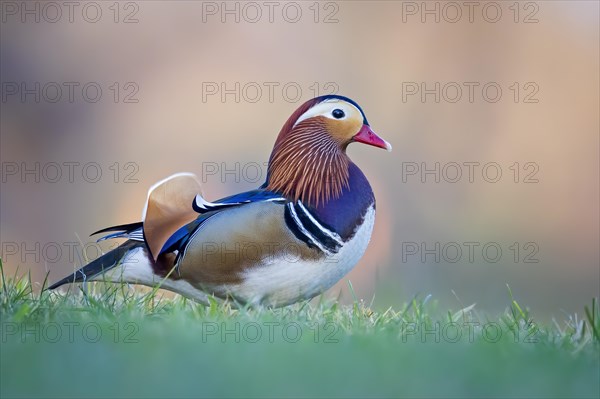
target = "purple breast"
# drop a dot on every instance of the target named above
(345, 213)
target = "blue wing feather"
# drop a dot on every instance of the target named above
(180, 238)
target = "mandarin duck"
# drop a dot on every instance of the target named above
(288, 240)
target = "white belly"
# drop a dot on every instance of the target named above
(285, 280)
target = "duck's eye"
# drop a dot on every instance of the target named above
(338, 113)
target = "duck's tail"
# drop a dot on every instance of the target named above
(129, 262)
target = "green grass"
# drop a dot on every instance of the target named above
(156, 346)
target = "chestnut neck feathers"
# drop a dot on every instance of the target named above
(307, 163)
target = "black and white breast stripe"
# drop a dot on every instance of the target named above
(308, 229)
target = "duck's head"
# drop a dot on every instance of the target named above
(309, 160)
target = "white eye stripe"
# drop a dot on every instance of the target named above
(326, 108)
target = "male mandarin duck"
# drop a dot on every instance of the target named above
(289, 240)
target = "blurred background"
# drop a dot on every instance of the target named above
(492, 109)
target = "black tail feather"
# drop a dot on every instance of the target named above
(128, 228)
(98, 266)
